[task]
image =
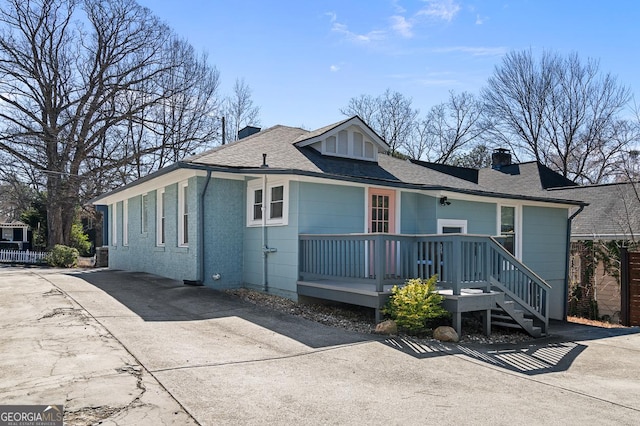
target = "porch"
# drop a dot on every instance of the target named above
(475, 274)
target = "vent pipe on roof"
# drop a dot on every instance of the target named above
(264, 161)
(501, 157)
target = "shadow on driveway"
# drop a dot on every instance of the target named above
(553, 353)
(155, 298)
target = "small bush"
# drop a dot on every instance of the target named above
(63, 256)
(415, 304)
(80, 240)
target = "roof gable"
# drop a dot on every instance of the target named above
(350, 138)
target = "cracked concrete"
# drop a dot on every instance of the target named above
(54, 352)
(121, 348)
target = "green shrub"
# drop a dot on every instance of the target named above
(63, 256)
(413, 305)
(80, 240)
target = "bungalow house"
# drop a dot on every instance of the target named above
(14, 235)
(328, 214)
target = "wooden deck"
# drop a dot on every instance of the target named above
(474, 272)
(362, 294)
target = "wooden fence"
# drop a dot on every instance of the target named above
(17, 256)
(630, 288)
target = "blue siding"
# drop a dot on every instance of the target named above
(330, 209)
(142, 252)
(481, 217)
(417, 214)
(224, 221)
(544, 240)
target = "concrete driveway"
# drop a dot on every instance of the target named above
(159, 352)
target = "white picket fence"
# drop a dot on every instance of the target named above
(17, 256)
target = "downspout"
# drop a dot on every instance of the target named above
(568, 261)
(265, 283)
(201, 239)
(265, 248)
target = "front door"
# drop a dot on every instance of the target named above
(382, 209)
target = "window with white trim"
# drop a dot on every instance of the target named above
(144, 213)
(452, 226)
(183, 214)
(114, 224)
(268, 207)
(125, 223)
(161, 210)
(509, 228)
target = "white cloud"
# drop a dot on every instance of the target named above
(343, 30)
(334, 68)
(396, 6)
(332, 16)
(400, 25)
(440, 9)
(481, 19)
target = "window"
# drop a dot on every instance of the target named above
(276, 202)
(144, 214)
(125, 223)
(452, 226)
(114, 224)
(508, 228)
(160, 232)
(183, 214)
(268, 207)
(379, 213)
(257, 204)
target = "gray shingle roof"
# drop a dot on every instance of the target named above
(279, 143)
(613, 212)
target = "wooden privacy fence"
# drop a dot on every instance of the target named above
(17, 256)
(630, 288)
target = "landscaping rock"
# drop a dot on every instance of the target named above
(387, 327)
(445, 334)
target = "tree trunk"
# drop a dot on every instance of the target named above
(61, 206)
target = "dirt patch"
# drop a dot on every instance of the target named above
(594, 323)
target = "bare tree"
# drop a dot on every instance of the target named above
(239, 110)
(449, 129)
(478, 157)
(82, 83)
(391, 115)
(559, 111)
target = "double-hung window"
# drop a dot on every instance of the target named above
(183, 214)
(267, 204)
(161, 210)
(144, 213)
(125, 223)
(114, 224)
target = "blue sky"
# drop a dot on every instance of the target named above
(305, 59)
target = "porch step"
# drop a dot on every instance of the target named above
(507, 315)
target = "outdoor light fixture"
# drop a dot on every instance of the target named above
(444, 201)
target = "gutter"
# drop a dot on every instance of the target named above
(568, 260)
(200, 280)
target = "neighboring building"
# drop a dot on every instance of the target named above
(611, 220)
(296, 212)
(14, 235)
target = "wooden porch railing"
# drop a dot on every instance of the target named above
(460, 261)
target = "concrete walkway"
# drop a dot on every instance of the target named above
(158, 352)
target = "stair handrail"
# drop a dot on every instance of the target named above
(540, 284)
